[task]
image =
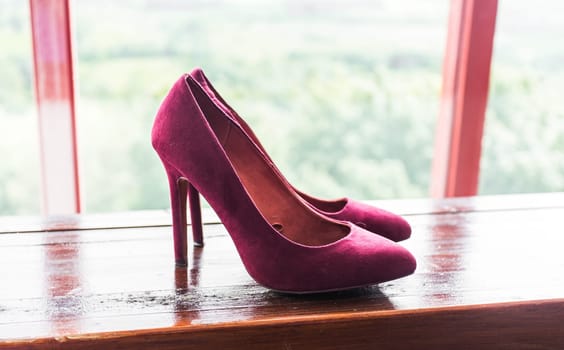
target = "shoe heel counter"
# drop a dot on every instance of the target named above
(168, 120)
(182, 138)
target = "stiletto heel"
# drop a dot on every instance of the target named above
(178, 193)
(195, 216)
(284, 244)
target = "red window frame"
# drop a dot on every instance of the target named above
(466, 76)
(55, 96)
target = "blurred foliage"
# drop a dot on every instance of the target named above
(344, 95)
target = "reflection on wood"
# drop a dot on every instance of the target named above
(487, 278)
(62, 277)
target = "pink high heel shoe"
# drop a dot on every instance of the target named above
(373, 219)
(284, 244)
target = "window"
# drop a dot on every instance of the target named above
(524, 132)
(344, 95)
(19, 151)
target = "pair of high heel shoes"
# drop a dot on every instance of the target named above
(287, 240)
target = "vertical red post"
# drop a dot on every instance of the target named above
(466, 75)
(54, 89)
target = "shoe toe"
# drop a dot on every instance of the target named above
(380, 259)
(401, 263)
(376, 220)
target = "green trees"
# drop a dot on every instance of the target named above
(344, 98)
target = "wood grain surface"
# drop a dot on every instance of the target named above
(487, 278)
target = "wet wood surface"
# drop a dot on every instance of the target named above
(490, 275)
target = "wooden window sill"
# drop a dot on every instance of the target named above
(489, 276)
